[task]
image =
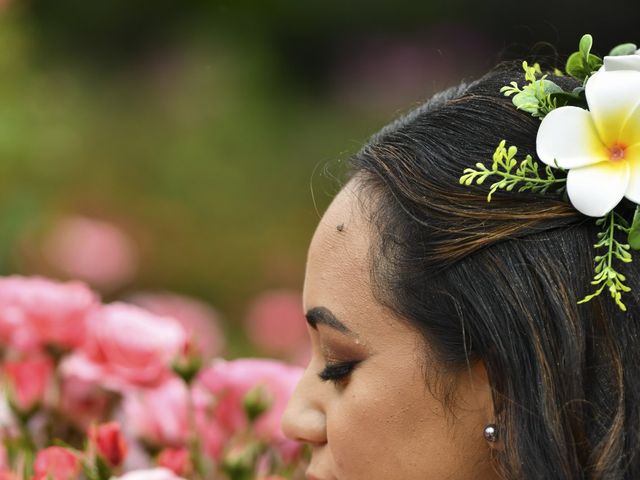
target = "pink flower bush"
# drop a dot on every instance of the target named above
(220, 393)
(275, 322)
(159, 415)
(28, 381)
(128, 346)
(36, 311)
(200, 320)
(94, 251)
(129, 386)
(56, 463)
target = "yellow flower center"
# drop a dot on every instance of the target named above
(616, 152)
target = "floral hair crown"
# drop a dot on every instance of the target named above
(589, 139)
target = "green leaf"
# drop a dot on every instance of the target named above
(581, 67)
(102, 468)
(593, 63)
(586, 42)
(563, 99)
(526, 101)
(575, 66)
(634, 232)
(583, 63)
(550, 87)
(623, 49)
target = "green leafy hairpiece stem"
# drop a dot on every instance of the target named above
(606, 275)
(512, 173)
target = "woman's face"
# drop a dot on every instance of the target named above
(363, 404)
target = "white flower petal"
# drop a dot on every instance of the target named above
(630, 133)
(612, 97)
(594, 190)
(633, 189)
(568, 135)
(622, 62)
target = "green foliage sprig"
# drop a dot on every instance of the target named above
(537, 96)
(583, 63)
(512, 172)
(605, 273)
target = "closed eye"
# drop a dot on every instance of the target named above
(337, 372)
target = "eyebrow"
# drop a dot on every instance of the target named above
(323, 316)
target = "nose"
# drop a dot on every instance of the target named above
(304, 418)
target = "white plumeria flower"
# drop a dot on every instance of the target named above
(601, 146)
(621, 62)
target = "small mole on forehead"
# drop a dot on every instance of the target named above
(340, 227)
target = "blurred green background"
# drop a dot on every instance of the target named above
(215, 133)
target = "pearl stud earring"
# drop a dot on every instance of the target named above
(491, 432)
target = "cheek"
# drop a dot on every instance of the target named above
(385, 427)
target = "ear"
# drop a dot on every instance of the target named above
(475, 394)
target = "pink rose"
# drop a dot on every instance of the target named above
(152, 474)
(159, 415)
(28, 381)
(199, 319)
(128, 346)
(221, 392)
(56, 463)
(109, 443)
(275, 323)
(37, 311)
(82, 401)
(178, 460)
(95, 251)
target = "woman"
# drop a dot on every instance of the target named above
(447, 338)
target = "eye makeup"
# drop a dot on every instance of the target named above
(342, 350)
(341, 358)
(337, 372)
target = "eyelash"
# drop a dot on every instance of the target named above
(338, 372)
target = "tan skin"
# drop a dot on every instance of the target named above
(378, 421)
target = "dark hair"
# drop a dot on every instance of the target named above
(498, 282)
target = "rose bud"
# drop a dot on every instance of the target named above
(109, 442)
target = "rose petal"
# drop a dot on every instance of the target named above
(633, 189)
(595, 189)
(568, 135)
(612, 98)
(621, 62)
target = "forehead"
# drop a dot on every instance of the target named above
(338, 277)
(338, 254)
